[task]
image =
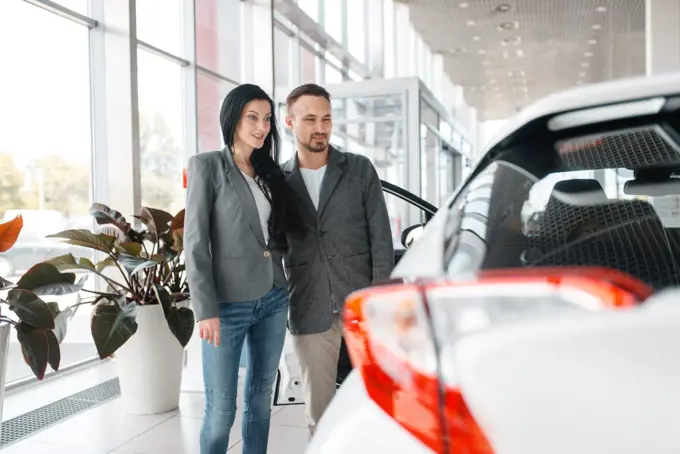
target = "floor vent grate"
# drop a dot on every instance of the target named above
(23, 426)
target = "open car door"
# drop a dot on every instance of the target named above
(288, 381)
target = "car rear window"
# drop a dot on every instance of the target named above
(609, 200)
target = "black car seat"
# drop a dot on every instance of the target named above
(581, 227)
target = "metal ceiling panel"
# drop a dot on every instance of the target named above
(507, 54)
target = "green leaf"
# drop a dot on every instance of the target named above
(132, 248)
(101, 266)
(178, 221)
(181, 323)
(68, 262)
(105, 215)
(130, 262)
(54, 308)
(113, 323)
(85, 238)
(53, 350)
(35, 348)
(45, 279)
(61, 321)
(163, 298)
(30, 309)
(157, 221)
(84, 262)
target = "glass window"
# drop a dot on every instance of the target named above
(46, 178)
(390, 40)
(429, 156)
(556, 211)
(218, 36)
(333, 18)
(161, 24)
(210, 92)
(397, 209)
(311, 7)
(332, 74)
(161, 131)
(308, 66)
(282, 69)
(356, 29)
(446, 177)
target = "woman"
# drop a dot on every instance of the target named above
(239, 211)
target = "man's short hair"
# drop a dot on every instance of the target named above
(307, 90)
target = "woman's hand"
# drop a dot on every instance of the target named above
(209, 329)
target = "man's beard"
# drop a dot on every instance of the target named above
(317, 145)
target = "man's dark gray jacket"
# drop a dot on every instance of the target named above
(348, 244)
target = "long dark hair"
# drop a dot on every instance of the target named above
(285, 218)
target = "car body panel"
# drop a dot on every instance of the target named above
(353, 423)
(593, 95)
(590, 382)
(491, 357)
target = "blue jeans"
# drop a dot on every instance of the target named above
(262, 323)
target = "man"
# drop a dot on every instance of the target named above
(348, 245)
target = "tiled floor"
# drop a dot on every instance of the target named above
(108, 429)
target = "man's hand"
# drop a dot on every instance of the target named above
(209, 330)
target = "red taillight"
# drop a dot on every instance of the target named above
(390, 338)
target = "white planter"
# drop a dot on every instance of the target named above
(150, 365)
(192, 374)
(5, 329)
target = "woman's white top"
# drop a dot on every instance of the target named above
(264, 209)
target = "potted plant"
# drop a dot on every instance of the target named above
(141, 315)
(40, 326)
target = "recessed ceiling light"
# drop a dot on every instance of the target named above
(520, 53)
(463, 4)
(476, 38)
(588, 54)
(585, 64)
(582, 74)
(471, 23)
(597, 26)
(592, 42)
(481, 52)
(601, 9)
(508, 25)
(492, 81)
(504, 8)
(486, 62)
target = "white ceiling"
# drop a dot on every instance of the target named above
(508, 54)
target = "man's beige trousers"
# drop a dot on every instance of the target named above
(318, 355)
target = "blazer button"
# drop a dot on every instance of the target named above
(267, 254)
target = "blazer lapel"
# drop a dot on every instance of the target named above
(240, 185)
(294, 176)
(334, 170)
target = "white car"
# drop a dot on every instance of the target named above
(562, 338)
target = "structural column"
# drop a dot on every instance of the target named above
(115, 99)
(662, 28)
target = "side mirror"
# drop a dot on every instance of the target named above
(410, 234)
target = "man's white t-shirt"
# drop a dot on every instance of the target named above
(264, 209)
(313, 180)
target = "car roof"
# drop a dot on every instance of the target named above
(594, 95)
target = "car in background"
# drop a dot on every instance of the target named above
(558, 338)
